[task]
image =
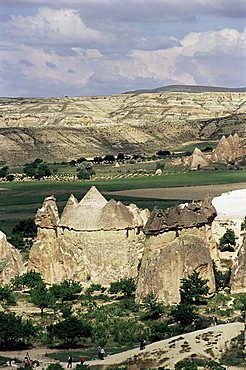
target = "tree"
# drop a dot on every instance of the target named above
(70, 330)
(85, 171)
(10, 178)
(42, 297)
(125, 286)
(98, 160)
(4, 171)
(193, 289)
(37, 169)
(66, 291)
(7, 296)
(120, 157)
(153, 308)
(222, 280)
(228, 241)
(30, 279)
(163, 153)
(109, 158)
(25, 228)
(184, 314)
(14, 330)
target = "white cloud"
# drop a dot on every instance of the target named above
(52, 27)
(206, 58)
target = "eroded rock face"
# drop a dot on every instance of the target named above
(228, 149)
(178, 243)
(11, 263)
(188, 216)
(126, 122)
(95, 241)
(238, 274)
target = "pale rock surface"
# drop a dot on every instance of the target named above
(47, 216)
(238, 274)
(178, 243)
(96, 241)
(123, 123)
(197, 160)
(11, 263)
(228, 149)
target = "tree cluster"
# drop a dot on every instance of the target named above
(37, 169)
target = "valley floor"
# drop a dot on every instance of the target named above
(181, 193)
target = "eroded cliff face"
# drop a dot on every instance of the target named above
(127, 122)
(11, 263)
(94, 241)
(178, 243)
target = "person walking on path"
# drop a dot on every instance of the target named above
(70, 362)
(142, 344)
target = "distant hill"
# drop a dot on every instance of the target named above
(188, 88)
(61, 129)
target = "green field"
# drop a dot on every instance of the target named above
(20, 200)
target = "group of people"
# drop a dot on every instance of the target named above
(28, 362)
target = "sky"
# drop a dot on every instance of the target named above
(104, 47)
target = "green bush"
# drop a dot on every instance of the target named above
(55, 367)
(228, 241)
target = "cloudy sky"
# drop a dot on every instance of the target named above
(104, 47)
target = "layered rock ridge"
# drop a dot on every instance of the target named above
(94, 241)
(178, 242)
(60, 129)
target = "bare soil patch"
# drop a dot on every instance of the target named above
(182, 192)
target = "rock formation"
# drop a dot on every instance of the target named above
(228, 149)
(94, 241)
(177, 244)
(11, 263)
(238, 274)
(197, 160)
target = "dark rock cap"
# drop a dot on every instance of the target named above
(195, 214)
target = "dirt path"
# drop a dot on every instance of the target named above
(182, 193)
(173, 349)
(177, 348)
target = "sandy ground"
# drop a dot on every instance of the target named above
(182, 193)
(208, 342)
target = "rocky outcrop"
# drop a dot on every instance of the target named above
(178, 243)
(197, 160)
(228, 149)
(11, 263)
(95, 241)
(111, 124)
(238, 274)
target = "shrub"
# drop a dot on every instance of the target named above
(125, 286)
(55, 367)
(228, 241)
